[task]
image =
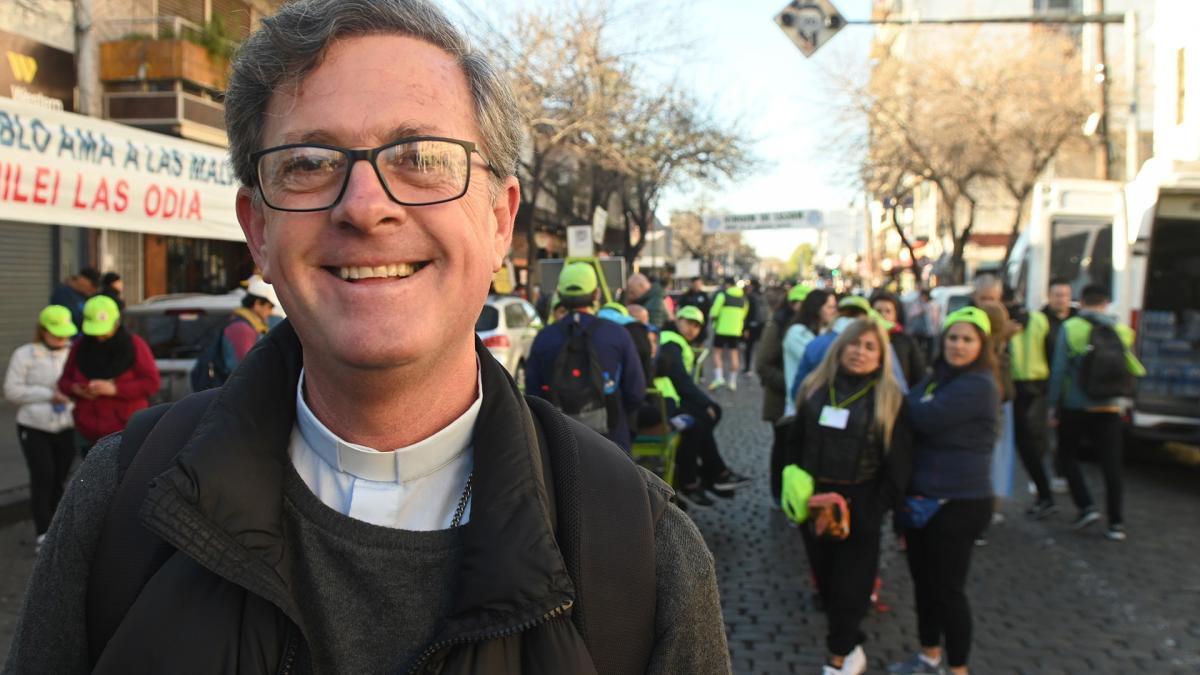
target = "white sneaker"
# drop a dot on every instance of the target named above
(733, 385)
(855, 663)
(716, 384)
(1059, 486)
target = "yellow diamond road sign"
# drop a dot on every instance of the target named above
(810, 23)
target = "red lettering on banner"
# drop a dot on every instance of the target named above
(122, 201)
(78, 188)
(57, 177)
(16, 195)
(41, 183)
(168, 202)
(101, 196)
(156, 193)
(194, 207)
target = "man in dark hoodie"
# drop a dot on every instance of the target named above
(649, 294)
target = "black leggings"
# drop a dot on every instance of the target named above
(1030, 429)
(939, 556)
(845, 570)
(698, 444)
(49, 459)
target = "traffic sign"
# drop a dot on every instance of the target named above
(810, 23)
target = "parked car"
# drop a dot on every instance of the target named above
(507, 325)
(178, 327)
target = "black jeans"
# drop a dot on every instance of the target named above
(845, 570)
(1103, 430)
(778, 457)
(939, 556)
(49, 459)
(698, 444)
(1029, 426)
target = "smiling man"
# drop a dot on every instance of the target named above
(369, 492)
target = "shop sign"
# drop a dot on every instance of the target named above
(36, 73)
(66, 169)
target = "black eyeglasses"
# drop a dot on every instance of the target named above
(416, 171)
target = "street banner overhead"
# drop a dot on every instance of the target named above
(60, 168)
(779, 220)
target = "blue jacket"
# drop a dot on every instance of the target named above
(617, 355)
(955, 427)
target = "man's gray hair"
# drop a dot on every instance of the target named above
(291, 44)
(987, 281)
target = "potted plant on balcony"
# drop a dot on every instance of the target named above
(200, 57)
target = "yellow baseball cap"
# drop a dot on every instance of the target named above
(100, 315)
(576, 279)
(57, 321)
(971, 315)
(691, 313)
(798, 293)
(855, 302)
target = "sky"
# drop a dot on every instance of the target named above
(732, 55)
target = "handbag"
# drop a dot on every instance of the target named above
(829, 516)
(918, 511)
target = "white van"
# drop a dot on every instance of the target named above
(1069, 236)
(1156, 264)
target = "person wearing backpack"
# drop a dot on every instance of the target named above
(371, 493)
(586, 366)
(227, 349)
(1093, 370)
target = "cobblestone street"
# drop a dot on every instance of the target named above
(1046, 600)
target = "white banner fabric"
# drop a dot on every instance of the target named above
(60, 168)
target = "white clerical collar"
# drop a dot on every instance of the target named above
(397, 466)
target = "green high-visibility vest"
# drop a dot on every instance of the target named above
(1027, 350)
(663, 383)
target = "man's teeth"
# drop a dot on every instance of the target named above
(399, 270)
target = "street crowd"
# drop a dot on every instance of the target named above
(884, 414)
(362, 488)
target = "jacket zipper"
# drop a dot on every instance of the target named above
(289, 654)
(511, 630)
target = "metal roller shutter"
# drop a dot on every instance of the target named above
(25, 284)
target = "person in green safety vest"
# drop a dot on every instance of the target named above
(729, 312)
(675, 379)
(1031, 373)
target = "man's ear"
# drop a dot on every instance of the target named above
(504, 210)
(250, 217)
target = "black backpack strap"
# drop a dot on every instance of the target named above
(128, 554)
(606, 517)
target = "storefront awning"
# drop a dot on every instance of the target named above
(60, 168)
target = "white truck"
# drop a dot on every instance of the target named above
(1156, 289)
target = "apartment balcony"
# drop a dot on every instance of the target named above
(164, 75)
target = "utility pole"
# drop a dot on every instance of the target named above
(87, 58)
(1104, 160)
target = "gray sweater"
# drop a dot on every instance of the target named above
(371, 597)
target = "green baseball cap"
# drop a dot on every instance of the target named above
(576, 279)
(691, 313)
(972, 315)
(100, 315)
(798, 293)
(57, 321)
(856, 302)
(797, 489)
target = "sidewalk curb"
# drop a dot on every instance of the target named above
(14, 505)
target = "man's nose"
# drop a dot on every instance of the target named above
(365, 203)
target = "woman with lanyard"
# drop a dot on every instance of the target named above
(955, 417)
(851, 436)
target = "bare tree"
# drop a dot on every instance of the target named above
(972, 120)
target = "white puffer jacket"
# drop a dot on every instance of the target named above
(30, 383)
